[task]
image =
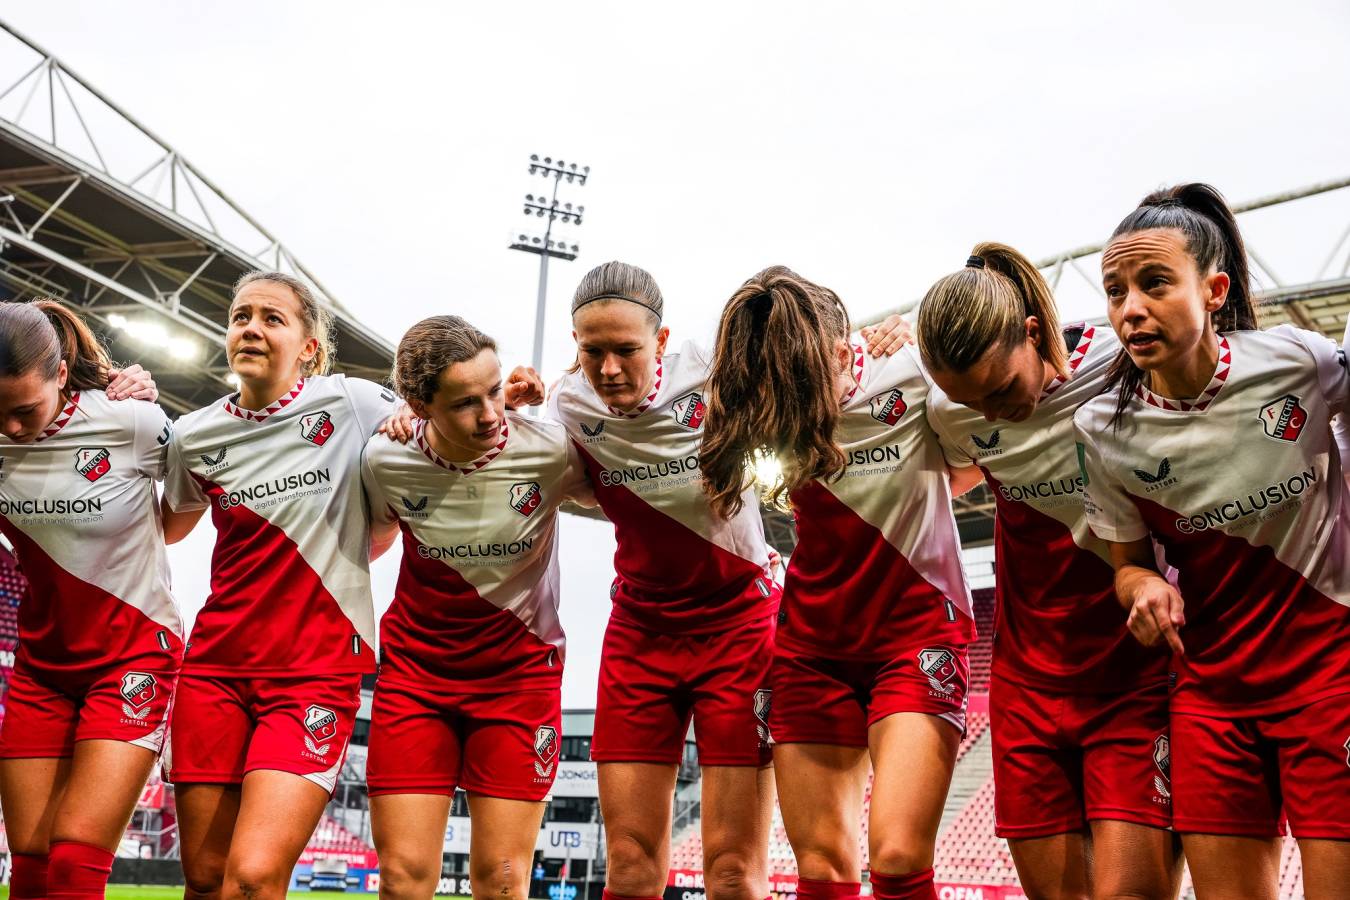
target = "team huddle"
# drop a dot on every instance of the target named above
(1171, 661)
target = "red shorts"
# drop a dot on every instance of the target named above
(223, 728)
(1062, 760)
(127, 703)
(834, 701)
(426, 740)
(651, 684)
(1244, 776)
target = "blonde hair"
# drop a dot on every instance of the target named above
(318, 321)
(614, 281)
(987, 304)
(429, 348)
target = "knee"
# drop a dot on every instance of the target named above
(730, 875)
(402, 876)
(632, 862)
(501, 877)
(1134, 886)
(203, 878)
(256, 879)
(828, 863)
(901, 854)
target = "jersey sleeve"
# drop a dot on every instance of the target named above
(150, 439)
(380, 511)
(181, 490)
(1110, 513)
(371, 402)
(952, 451)
(1332, 376)
(576, 483)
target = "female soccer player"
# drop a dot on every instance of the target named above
(871, 644)
(469, 692)
(1216, 442)
(271, 677)
(100, 640)
(691, 632)
(1078, 707)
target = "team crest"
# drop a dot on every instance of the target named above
(546, 748)
(322, 725)
(763, 705)
(92, 462)
(317, 427)
(689, 410)
(1283, 419)
(526, 497)
(1162, 758)
(939, 664)
(138, 689)
(889, 408)
(1347, 751)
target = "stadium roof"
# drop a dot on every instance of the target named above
(98, 210)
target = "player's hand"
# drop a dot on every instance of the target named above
(524, 387)
(775, 561)
(131, 383)
(1157, 614)
(398, 427)
(888, 336)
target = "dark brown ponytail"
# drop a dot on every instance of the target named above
(38, 335)
(1213, 239)
(772, 387)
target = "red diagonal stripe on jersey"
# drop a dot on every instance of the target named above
(670, 577)
(439, 627)
(850, 593)
(1059, 625)
(68, 626)
(1259, 638)
(269, 612)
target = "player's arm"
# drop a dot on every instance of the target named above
(383, 522)
(1156, 609)
(382, 537)
(131, 383)
(887, 336)
(964, 478)
(178, 525)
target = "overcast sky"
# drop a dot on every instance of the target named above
(867, 145)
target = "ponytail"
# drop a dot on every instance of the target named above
(1213, 240)
(984, 305)
(772, 387)
(39, 335)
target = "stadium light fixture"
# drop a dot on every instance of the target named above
(767, 469)
(155, 335)
(545, 246)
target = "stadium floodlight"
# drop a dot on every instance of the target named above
(767, 470)
(155, 334)
(548, 207)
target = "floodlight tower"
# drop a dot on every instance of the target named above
(548, 207)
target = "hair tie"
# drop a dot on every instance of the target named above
(975, 262)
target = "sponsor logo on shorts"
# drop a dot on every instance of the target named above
(1283, 419)
(526, 497)
(888, 408)
(1162, 759)
(1157, 479)
(689, 410)
(988, 446)
(138, 690)
(215, 463)
(322, 725)
(92, 462)
(939, 665)
(317, 427)
(546, 748)
(763, 705)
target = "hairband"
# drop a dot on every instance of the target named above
(646, 306)
(975, 262)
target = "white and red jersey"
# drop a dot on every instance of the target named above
(1059, 626)
(476, 605)
(79, 507)
(681, 567)
(1242, 487)
(877, 567)
(290, 575)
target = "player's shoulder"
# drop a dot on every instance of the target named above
(190, 423)
(1093, 416)
(541, 431)
(381, 450)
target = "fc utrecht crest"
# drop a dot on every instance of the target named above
(689, 410)
(317, 427)
(321, 723)
(763, 705)
(1283, 419)
(546, 748)
(92, 462)
(888, 408)
(138, 689)
(939, 664)
(1162, 758)
(526, 497)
